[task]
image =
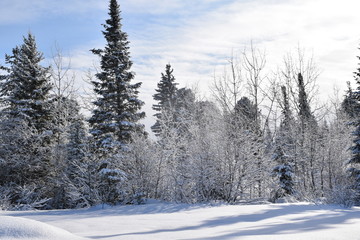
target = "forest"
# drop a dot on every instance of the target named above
(260, 138)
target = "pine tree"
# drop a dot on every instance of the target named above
(26, 125)
(283, 154)
(349, 104)
(307, 139)
(166, 96)
(354, 162)
(25, 90)
(307, 119)
(116, 115)
(287, 115)
(284, 173)
(285, 138)
(247, 115)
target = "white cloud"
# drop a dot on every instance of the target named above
(324, 27)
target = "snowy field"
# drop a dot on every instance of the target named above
(181, 221)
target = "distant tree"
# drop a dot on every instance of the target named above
(354, 162)
(247, 114)
(350, 104)
(307, 119)
(299, 75)
(286, 111)
(205, 158)
(166, 96)
(284, 152)
(140, 166)
(248, 122)
(284, 172)
(240, 140)
(64, 104)
(117, 108)
(254, 62)
(173, 142)
(307, 140)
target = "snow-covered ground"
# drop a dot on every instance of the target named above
(181, 221)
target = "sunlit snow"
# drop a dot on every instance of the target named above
(182, 221)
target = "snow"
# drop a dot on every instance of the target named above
(21, 228)
(156, 220)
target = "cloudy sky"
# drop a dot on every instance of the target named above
(195, 36)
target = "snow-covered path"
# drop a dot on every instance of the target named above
(181, 221)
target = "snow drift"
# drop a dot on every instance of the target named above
(12, 228)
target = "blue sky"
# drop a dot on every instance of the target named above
(196, 36)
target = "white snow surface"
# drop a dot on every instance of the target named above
(23, 228)
(156, 220)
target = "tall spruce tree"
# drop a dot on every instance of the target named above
(308, 140)
(26, 126)
(117, 111)
(307, 119)
(166, 97)
(354, 162)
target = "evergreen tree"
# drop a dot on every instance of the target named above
(354, 162)
(26, 126)
(117, 110)
(285, 136)
(307, 119)
(25, 90)
(284, 173)
(174, 139)
(308, 140)
(286, 111)
(283, 154)
(166, 96)
(247, 115)
(349, 104)
(116, 116)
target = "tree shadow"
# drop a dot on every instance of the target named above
(319, 222)
(303, 224)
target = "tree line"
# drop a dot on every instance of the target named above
(259, 139)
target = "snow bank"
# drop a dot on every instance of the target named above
(12, 228)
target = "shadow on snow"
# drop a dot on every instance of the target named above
(304, 224)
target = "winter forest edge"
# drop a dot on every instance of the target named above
(252, 143)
